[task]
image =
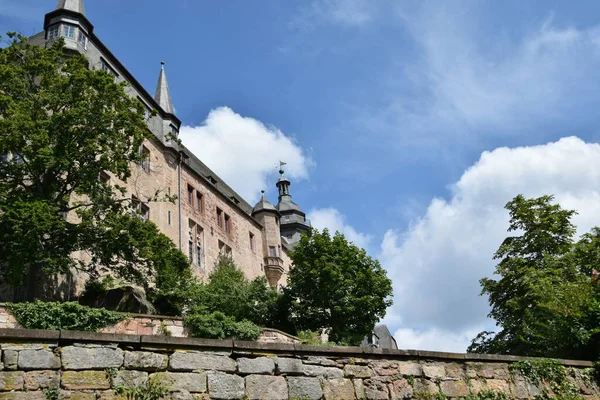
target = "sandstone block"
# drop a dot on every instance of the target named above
(498, 385)
(425, 387)
(408, 368)
(38, 359)
(85, 380)
(260, 387)
(338, 389)
(174, 381)
(518, 389)
(260, 365)
(303, 387)
(35, 380)
(77, 358)
(65, 394)
(327, 372)
(434, 371)
(11, 380)
(37, 395)
(357, 371)
(190, 361)
(359, 389)
(324, 361)
(145, 360)
(108, 395)
(455, 371)
(385, 368)
(9, 359)
(478, 385)
(454, 388)
(289, 366)
(185, 395)
(376, 390)
(131, 379)
(400, 389)
(27, 346)
(224, 386)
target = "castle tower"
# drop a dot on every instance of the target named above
(268, 216)
(293, 219)
(162, 96)
(68, 20)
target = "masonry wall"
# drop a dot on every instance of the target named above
(91, 365)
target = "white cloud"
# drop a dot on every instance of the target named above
(244, 151)
(350, 13)
(437, 262)
(334, 220)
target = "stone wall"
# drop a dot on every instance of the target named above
(90, 366)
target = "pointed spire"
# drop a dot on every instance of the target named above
(163, 95)
(71, 5)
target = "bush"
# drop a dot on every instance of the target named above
(217, 325)
(67, 316)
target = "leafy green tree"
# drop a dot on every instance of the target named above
(335, 285)
(62, 124)
(545, 300)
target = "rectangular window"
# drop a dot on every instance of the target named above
(104, 178)
(82, 39)
(251, 241)
(272, 251)
(147, 114)
(53, 32)
(191, 251)
(69, 31)
(144, 212)
(219, 217)
(190, 191)
(169, 217)
(199, 202)
(145, 161)
(279, 251)
(198, 254)
(227, 224)
(224, 249)
(139, 209)
(104, 66)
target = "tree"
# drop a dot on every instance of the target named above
(545, 301)
(335, 285)
(63, 124)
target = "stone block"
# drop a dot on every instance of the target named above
(108, 395)
(37, 395)
(27, 346)
(260, 365)
(385, 368)
(477, 385)
(145, 360)
(498, 385)
(518, 389)
(260, 387)
(35, 380)
(77, 358)
(434, 371)
(185, 395)
(454, 388)
(359, 389)
(303, 387)
(327, 372)
(289, 366)
(357, 371)
(455, 371)
(376, 390)
(66, 394)
(191, 361)
(324, 361)
(338, 389)
(9, 359)
(174, 381)
(85, 380)
(224, 386)
(11, 380)
(400, 389)
(408, 368)
(130, 379)
(38, 359)
(425, 387)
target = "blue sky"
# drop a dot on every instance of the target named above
(406, 124)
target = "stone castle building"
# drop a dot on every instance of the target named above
(208, 217)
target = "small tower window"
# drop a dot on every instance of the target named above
(145, 159)
(82, 39)
(272, 251)
(199, 202)
(219, 217)
(227, 224)
(190, 191)
(68, 31)
(252, 241)
(53, 32)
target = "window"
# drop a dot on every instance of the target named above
(169, 217)
(219, 217)
(227, 224)
(104, 178)
(191, 251)
(82, 39)
(104, 66)
(144, 212)
(252, 246)
(224, 249)
(279, 250)
(147, 114)
(68, 31)
(196, 242)
(145, 158)
(139, 209)
(53, 32)
(199, 202)
(272, 251)
(190, 190)
(198, 254)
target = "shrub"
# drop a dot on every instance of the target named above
(67, 316)
(217, 325)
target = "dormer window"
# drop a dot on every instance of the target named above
(68, 31)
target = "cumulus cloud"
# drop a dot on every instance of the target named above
(437, 262)
(244, 151)
(334, 220)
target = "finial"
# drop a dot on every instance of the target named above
(162, 64)
(262, 192)
(281, 164)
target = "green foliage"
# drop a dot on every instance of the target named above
(335, 285)
(548, 375)
(217, 325)
(488, 395)
(63, 124)
(66, 316)
(545, 300)
(52, 393)
(149, 391)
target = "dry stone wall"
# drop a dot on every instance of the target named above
(85, 366)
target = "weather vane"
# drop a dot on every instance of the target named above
(281, 164)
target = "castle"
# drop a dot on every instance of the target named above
(208, 217)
